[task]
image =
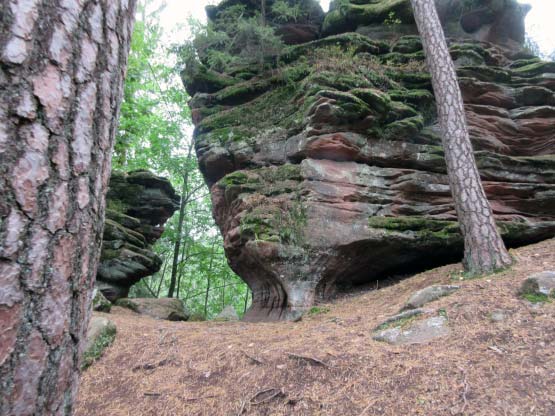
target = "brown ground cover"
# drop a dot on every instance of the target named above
(328, 364)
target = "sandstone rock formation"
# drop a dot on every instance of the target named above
(326, 169)
(137, 206)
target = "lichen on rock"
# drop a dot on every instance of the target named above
(326, 166)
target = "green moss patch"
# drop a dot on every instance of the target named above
(530, 291)
(422, 227)
(318, 310)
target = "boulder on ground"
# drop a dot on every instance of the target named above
(100, 303)
(227, 314)
(400, 318)
(101, 332)
(169, 309)
(418, 332)
(429, 294)
(538, 286)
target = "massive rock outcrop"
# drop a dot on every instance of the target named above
(137, 206)
(327, 169)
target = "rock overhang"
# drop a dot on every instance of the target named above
(329, 170)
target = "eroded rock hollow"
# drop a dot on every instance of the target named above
(137, 206)
(325, 165)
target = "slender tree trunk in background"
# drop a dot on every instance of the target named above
(62, 67)
(162, 277)
(484, 249)
(263, 12)
(184, 258)
(246, 300)
(223, 294)
(177, 244)
(208, 279)
(181, 263)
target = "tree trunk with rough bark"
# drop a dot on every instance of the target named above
(62, 67)
(485, 251)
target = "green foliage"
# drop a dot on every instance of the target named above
(154, 114)
(318, 310)
(399, 323)
(285, 13)
(155, 134)
(536, 297)
(234, 39)
(532, 46)
(392, 19)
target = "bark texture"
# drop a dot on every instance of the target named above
(62, 66)
(484, 249)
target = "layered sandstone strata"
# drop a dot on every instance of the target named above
(327, 168)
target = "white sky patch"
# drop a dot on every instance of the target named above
(540, 22)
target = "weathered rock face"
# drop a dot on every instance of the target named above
(137, 206)
(328, 169)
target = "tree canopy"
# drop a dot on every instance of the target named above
(155, 133)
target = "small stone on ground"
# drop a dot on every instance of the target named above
(98, 326)
(417, 333)
(540, 283)
(429, 294)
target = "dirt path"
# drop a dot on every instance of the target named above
(162, 368)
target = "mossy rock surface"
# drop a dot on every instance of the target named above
(100, 303)
(326, 164)
(100, 335)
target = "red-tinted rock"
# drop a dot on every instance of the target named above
(337, 177)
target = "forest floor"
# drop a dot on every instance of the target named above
(208, 368)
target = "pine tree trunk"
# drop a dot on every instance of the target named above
(62, 66)
(484, 249)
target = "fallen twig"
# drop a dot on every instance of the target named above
(272, 394)
(242, 408)
(312, 360)
(366, 408)
(254, 359)
(496, 349)
(192, 399)
(465, 390)
(152, 394)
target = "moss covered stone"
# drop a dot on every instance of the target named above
(100, 335)
(347, 15)
(407, 45)
(198, 78)
(534, 69)
(485, 73)
(378, 100)
(421, 227)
